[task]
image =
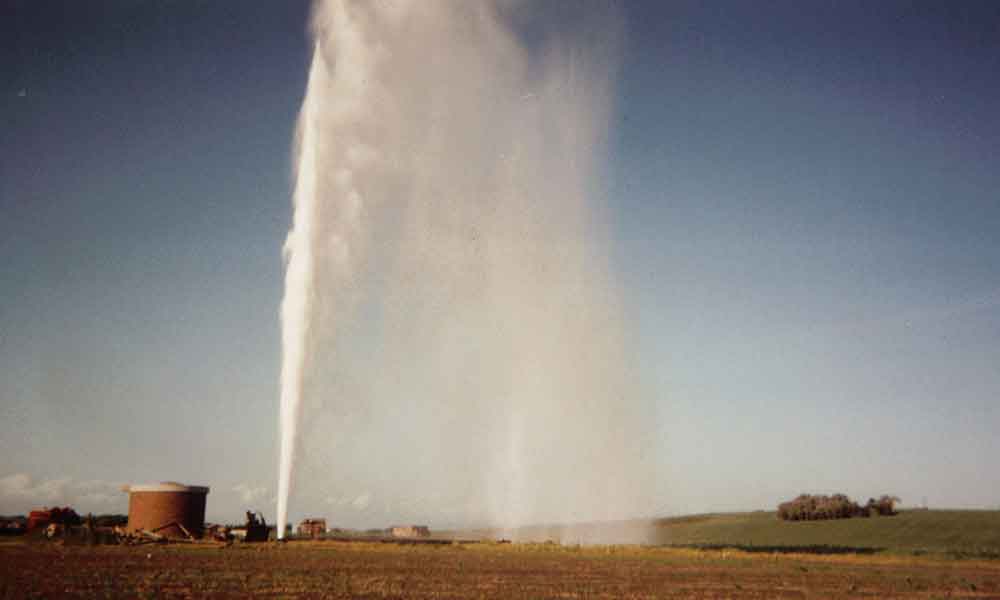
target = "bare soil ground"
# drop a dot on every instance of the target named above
(366, 570)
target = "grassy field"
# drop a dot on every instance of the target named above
(952, 533)
(367, 570)
(955, 532)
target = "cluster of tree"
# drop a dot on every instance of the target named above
(809, 507)
(60, 516)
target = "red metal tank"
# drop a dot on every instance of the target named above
(167, 508)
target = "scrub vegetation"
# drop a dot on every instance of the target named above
(810, 507)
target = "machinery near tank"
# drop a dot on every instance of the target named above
(159, 513)
(256, 527)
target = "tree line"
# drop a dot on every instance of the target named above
(817, 507)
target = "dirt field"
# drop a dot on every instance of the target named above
(359, 570)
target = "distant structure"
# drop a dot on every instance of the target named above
(40, 519)
(312, 528)
(13, 526)
(169, 509)
(410, 531)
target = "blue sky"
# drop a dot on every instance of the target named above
(802, 209)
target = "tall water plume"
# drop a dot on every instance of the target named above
(452, 336)
(296, 307)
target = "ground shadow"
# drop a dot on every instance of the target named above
(812, 549)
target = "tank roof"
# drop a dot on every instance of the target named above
(166, 486)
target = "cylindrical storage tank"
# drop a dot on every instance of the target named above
(162, 507)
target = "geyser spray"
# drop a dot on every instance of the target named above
(451, 323)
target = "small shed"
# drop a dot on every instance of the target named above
(312, 528)
(410, 531)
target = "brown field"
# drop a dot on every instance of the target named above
(366, 570)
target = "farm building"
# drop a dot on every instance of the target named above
(40, 519)
(410, 531)
(312, 527)
(170, 509)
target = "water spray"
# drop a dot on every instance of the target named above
(450, 319)
(299, 289)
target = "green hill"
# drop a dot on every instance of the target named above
(961, 532)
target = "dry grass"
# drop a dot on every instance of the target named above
(359, 570)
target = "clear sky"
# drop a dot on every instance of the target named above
(803, 212)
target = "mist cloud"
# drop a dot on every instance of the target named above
(250, 494)
(458, 336)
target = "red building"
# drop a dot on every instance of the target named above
(312, 528)
(40, 519)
